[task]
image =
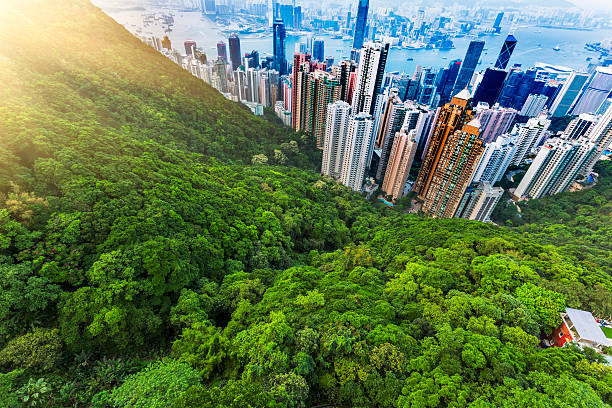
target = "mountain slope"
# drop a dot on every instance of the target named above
(145, 263)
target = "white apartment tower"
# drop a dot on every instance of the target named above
(370, 73)
(556, 166)
(529, 137)
(338, 114)
(534, 105)
(495, 160)
(359, 138)
(601, 136)
(478, 202)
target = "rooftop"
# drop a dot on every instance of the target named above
(586, 326)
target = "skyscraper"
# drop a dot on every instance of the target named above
(222, 50)
(279, 35)
(234, 49)
(343, 71)
(190, 47)
(579, 126)
(327, 91)
(494, 121)
(534, 105)
(595, 92)
(452, 154)
(394, 115)
(166, 43)
(359, 138)
(601, 136)
(568, 94)
(360, 23)
(478, 202)
(472, 56)
(252, 59)
(490, 86)
(556, 166)
(336, 127)
(318, 50)
(529, 136)
(400, 162)
(498, 20)
(446, 85)
(495, 160)
(506, 52)
(369, 76)
(301, 92)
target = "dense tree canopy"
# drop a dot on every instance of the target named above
(160, 246)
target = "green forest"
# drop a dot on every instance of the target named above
(162, 247)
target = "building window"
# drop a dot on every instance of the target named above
(561, 334)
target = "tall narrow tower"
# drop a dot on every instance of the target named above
(506, 52)
(452, 155)
(280, 60)
(369, 76)
(472, 56)
(360, 23)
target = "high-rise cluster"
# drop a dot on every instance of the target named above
(448, 134)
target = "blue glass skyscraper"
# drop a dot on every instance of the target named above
(360, 23)
(506, 52)
(280, 60)
(490, 86)
(472, 56)
(498, 20)
(318, 50)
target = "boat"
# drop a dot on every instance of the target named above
(409, 59)
(557, 48)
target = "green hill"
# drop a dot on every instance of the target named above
(144, 262)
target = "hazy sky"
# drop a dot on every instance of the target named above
(593, 4)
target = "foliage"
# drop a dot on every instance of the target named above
(158, 385)
(160, 246)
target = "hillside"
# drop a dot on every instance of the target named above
(144, 262)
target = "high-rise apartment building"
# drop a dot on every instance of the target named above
(494, 121)
(478, 202)
(279, 35)
(472, 56)
(529, 137)
(222, 50)
(579, 126)
(568, 94)
(343, 72)
(234, 50)
(336, 127)
(506, 52)
(190, 47)
(595, 92)
(361, 23)
(369, 76)
(326, 91)
(601, 136)
(495, 160)
(400, 161)
(394, 116)
(301, 101)
(452, 154)
(359, 139)
(555, 168)
(534, 105)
